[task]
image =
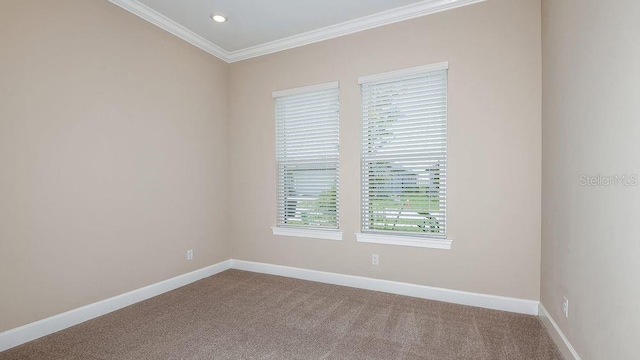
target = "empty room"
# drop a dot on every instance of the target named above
(305, 179)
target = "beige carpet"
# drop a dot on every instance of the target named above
(243, 315)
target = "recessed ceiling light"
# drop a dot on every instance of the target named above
(218, 18)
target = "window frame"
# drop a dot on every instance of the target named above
(308, 231)
(401, 238)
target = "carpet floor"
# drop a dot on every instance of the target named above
(244, 315)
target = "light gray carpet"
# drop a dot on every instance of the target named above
(243, 315)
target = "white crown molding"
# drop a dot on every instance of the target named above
(38, 329)
(407, 12)
(565, 347)
(521, 306)
(143, 11)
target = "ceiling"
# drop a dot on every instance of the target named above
(259, 27)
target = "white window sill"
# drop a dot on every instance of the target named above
(415, 241)
(308, 233)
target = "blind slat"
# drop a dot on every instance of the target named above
(307, 155)
(404, 154)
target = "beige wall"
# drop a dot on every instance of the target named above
(494, 183)
(591, 126)
(113, 156)
(116, 154)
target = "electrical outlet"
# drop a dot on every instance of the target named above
(565, 307)
(189, 254)
(375, 260)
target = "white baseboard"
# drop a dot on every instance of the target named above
(35, 330)
(558, 337)
(32, 331)
(522, 306)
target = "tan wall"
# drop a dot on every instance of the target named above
(113, 156)
(494, 184)
(591, 126)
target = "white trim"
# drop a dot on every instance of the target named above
(35, 330)
(308, 233)
(391, 16)
(404, 72)
(306, 89)
(521, 306)
(143, 11)
(565, 347)
(425, 242)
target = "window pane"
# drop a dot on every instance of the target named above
(404, 148)
(307, 152)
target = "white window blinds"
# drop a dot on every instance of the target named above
(404, 151)
(307, 155)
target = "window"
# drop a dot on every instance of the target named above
(404, 157)
(307, 156)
